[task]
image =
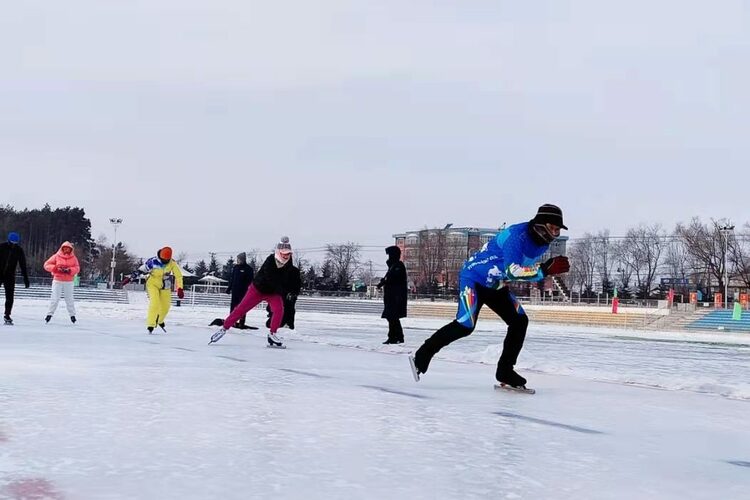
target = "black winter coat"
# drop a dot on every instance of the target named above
(239, 282)
(394, 291)
(291, 287)
(10, 256)
(270, 278)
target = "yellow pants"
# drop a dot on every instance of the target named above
(159, 302)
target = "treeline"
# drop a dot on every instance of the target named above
(43, 231)
(649, 260)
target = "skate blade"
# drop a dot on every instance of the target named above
(510, 388)
(275, 346)
(414, 371)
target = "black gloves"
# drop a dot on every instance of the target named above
(555, 265)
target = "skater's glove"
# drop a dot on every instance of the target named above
(180, 293)
(555, 265)
(125, 281)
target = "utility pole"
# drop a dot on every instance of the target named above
(115, 224)
(725, 229)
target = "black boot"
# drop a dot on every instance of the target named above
(46, 319)
(163, 327)
(150, 329)
(73, 319)
(506, 375)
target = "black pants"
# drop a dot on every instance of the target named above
(9, 283)
(236, 299)
(395, 331)
(501, 302)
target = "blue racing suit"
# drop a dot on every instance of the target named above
(511, 256)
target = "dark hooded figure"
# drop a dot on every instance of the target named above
(291, 287)
(242, 276)
(11, 255)
(394, 295)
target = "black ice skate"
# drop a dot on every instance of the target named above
(47, 318)
(510, 380)
(414, 370)
(7, 320)
(163, 326)
(150, 329)
(72, 319)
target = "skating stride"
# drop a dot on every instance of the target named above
(163, 274)
(267, 285)
(513, 255)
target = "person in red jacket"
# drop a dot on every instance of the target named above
(64, 266)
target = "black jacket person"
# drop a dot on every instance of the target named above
(242, 276)
(394, 295)
(11, 255)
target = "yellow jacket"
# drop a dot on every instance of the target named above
(159, 271)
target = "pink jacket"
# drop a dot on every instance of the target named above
(58, 262)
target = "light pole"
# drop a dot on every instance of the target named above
(115, 224)
(725, 231)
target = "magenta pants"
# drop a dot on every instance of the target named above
(251, 299)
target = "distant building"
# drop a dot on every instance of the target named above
(434, 257)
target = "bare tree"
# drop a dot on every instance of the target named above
(642, 251)
(583, 259)
(739, 257)
(604, 260)
(624, 270)
(344, 261)
(431, 259)
(679, 264)
(705, 243)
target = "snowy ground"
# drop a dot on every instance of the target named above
(101, 410)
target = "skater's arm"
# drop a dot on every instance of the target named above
(177, 274)
(517, 266)
(76, 266)
(50, 265)
(24, 271)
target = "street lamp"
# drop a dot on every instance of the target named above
(725, 230)
(115, 224)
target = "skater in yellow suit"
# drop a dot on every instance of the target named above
(164, 273)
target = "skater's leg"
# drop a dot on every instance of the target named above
(165, 302)
(398, 330)
(252, 298)
(154, 305)
(69, 302)
(395, 332)
(9, 283)
(57, 289)
(469, 306)
(505, 304)
(276, 303)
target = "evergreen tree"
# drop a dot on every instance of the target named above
(201, 269)
(310, 278)
(213, 266)
(226, 271)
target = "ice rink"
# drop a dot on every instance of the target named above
(102, 410)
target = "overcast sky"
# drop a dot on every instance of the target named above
(221, 125)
